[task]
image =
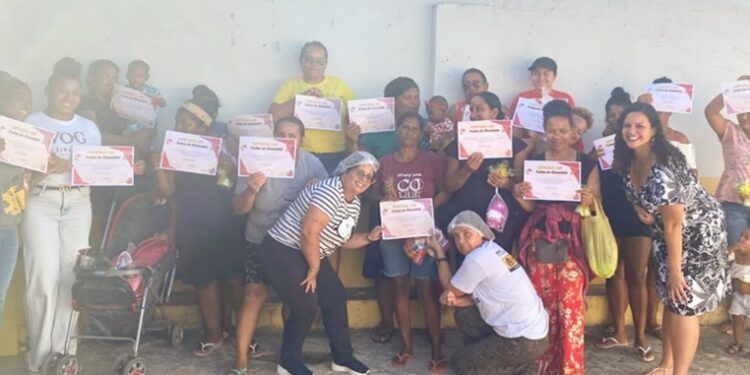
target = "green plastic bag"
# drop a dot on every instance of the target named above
(599, 242)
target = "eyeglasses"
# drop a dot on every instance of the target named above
(362, 175)
(313, 60)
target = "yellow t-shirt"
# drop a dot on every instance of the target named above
(319, 141)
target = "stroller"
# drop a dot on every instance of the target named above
(119, 300)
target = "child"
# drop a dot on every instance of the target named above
(740, 272)
(440, 129)
(138, 74)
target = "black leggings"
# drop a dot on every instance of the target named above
(286, 267)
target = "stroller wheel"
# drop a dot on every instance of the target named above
(67, 365)
(176, 333)
(135, 366)
(119, 363)
(50, 363)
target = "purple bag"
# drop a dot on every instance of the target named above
(497, 213)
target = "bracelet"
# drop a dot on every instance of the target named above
(438, 260)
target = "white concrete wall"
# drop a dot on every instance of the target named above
(245, 48)
(599, 45)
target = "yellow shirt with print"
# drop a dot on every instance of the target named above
(319, 141)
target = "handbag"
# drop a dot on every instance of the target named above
(551, 252)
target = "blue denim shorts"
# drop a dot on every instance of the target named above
(398, 264)
(738, 218)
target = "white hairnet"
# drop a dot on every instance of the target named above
(470, 219)
(355, 159)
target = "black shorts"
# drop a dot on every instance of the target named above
(254, 272)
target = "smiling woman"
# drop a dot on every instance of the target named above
(297, 248)
(328, 146)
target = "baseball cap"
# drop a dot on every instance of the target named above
(544, 62)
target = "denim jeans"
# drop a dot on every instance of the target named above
(738, 218)
(8, 255)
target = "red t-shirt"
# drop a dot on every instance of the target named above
(462, 109)
(422, 177)
(537, 94)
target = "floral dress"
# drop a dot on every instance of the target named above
(705, 263)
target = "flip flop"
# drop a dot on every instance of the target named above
(236, 371)
(254, 351)
(734, 349)
(400, 360)
(655, 331)
(438, 366)
(610, 342)
(645, 354)
(207, 348)
(659, 371)
(381, 336)
(726, 329)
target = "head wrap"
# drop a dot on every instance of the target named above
(198, 112)
(470, 220)
(356, 159)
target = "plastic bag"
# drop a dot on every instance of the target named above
(497, 213)
(599, 242)
(416, 248)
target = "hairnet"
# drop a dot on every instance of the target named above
(470, 219)
(356, 159)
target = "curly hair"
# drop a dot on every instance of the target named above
(666, 153)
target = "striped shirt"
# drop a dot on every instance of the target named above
(327, 195)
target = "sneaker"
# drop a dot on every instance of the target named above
(352, 366)
(292, 370)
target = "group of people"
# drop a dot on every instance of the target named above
(518, 290)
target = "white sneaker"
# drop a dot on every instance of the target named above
(342, 368)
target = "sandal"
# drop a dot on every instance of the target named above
(609, 331)
(645, 354)
(400, 360)
(207, 348)
(254, 351)
(655, 331)
(438, 366)
(236, 371)
(610, 342)
(381, 336)
(659, 371)
(734, 349)
(726, 329)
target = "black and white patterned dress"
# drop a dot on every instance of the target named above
(705, 264)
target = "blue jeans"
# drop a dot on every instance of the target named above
(396, 263)
(8, 256)
(738, 218)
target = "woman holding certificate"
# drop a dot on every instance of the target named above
(328, 145)
(295, 252)
(550, 243)
(690, 242)
(57, 220)
(475, 181)
(208, 232)
(15, 103)
(412, 173)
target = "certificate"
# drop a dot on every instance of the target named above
(134, 105)
(26, 146)
(102, 166)
(605, 147)
(671, 97)
(491, 138)
(529, 114)
(190, 153)
(260, 125)
(736, 97)
(373, 115)
(409, 218)
(273, 156)
(318, 113)
(553, 180)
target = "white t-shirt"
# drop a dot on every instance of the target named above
(502, 292)
(688, 150)
(78, 131)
